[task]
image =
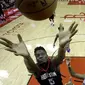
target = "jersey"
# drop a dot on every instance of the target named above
(50, 76)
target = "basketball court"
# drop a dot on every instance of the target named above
(36, 33)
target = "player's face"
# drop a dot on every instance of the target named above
(41, 56)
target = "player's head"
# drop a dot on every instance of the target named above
(61, 28)
(41, 55)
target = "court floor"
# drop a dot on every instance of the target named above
(36, 33)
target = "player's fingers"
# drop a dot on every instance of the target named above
(6, 40)
(73, 33)
(11, 50)
(5, 44)
(20, 38)
(71, 26)
(74, 28)
(17, 54)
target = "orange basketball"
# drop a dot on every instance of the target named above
(36, 9)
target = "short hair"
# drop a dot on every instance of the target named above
(59, 28)
(39, 48)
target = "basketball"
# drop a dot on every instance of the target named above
(36, 9)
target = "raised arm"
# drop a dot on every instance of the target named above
(72, 72)
(64, 38)
(20, 49)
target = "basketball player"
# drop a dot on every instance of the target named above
(47, 70)
(61, 29)
(73, 73)
(51, 18)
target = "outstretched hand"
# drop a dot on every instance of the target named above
(66, 36)
(17, 49)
